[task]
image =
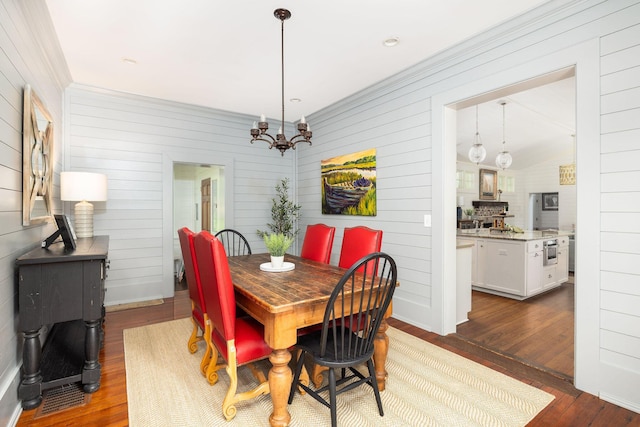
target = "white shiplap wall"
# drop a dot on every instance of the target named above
(28, 55)
(620, 206)
(400, 117)
(134, 140)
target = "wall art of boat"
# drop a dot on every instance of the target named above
(339, 196)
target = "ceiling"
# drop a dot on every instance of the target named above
(227, 55)
(539, 123)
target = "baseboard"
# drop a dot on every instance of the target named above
(10, 407)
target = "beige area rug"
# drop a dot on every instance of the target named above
(427, 386)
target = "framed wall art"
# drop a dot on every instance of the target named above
(488, 184)
(37, 162)
(349, 184)
(549, 201)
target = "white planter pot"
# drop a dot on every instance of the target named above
(277, 261)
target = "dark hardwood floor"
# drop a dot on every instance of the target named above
(108, 406)
(538, 331)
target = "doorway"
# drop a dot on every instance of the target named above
(198, 203)
(489, 326)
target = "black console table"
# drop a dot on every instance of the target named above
(66, 290)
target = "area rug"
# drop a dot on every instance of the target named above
(427, 386)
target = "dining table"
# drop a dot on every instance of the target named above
(286, 302)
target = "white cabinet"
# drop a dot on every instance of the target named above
(534, 272)
(515, 268)
(562, 268)
(504, 266)
(464, 263)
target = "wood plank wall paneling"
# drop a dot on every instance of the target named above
(130, 138)
(127, 137)
(27, 56)
(347, 127)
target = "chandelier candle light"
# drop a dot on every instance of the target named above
(259, 130)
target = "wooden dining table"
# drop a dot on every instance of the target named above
(285, 302)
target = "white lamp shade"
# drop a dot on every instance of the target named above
(78, 186)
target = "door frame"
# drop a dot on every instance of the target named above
(168, 160)
(585, 58)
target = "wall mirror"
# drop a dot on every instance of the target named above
(37, 162)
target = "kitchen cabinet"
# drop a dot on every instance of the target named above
(504, 265)
(562, 268)
(464, 249)
(515, 267)
(534, 272)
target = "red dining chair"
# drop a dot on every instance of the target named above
(198, 310)
(237, 340)
(358, 242)
(318, 242)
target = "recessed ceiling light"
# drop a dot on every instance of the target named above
(391, 41)
(295, 100)
(129, 61)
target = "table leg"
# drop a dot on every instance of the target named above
(91, 369)
(380, 350)
(29, 390)
(280, 378)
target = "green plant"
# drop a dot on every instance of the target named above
(468, 212)
(284, 213)
(277, 243)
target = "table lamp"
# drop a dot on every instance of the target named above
(83, 187)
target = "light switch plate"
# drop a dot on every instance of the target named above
(427, 220)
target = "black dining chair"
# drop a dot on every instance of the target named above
(352, 318)
(234, 242)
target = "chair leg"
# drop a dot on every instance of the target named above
(206, 359)
(332, 397)
(213, 367)
(316, 374)
(231, 398)
(374, 384)
(296, 375)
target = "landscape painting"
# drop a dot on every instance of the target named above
(349, 184)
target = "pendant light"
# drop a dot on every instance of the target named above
(477, 152)
(503, 159)
(259, 129)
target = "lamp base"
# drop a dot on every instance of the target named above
(83, 213)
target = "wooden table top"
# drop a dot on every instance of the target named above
(309, 282)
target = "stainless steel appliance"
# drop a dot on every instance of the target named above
(550, 252)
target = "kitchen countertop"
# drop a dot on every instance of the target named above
(486, 233)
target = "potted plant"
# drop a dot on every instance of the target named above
(284, 213)
(277, 244)
(469, 212)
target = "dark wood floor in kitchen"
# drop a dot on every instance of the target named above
(538, 331)
(108, 406)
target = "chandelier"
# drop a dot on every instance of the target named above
(503, 159)
(477, 152)
(259, 130)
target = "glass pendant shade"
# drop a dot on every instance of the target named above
(477, 153)
(503, 160)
